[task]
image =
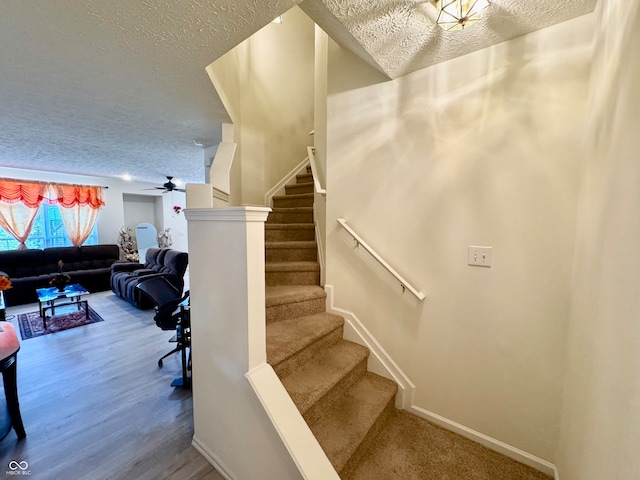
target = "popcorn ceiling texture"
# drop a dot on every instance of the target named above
(103, 88)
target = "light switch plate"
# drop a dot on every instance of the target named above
(480, 256)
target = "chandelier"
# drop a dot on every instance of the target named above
(457, 14)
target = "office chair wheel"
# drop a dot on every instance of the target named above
(160, 363)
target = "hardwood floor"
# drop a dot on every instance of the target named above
(96, 406)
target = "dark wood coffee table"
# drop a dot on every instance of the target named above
(52, 298)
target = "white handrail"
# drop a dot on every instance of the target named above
(314, 171)
(359, 242)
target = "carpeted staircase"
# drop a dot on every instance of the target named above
(326, 376)
(350, 410)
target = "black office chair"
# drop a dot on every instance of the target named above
(171, 313)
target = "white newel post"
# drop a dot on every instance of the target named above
(226, 270)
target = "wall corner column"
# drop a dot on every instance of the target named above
(227, 284)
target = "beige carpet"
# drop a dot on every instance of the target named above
(350, 410)
(410, 448)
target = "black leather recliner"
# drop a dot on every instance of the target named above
(166, 262)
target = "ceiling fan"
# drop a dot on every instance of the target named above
(170, 186)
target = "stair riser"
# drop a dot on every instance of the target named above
(292, 254)
(287, 366)
(290, 235)
(296, 309)
(273, 279)
(304, 178)
(292, 202)
(359, 454)
(299, 188)
(290, 217)
(319, 408)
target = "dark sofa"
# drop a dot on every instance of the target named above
(28, 269)
(167, 262)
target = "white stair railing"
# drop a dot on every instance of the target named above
(314, 170)
(361, 243)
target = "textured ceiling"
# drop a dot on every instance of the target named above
(399, 37)
(107, 87)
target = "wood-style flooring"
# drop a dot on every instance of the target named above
(96, 406)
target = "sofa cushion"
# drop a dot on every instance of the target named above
(99, 256)
(70, 256)
(23, 263)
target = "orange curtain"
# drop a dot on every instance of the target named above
(79, 206)
(19, 203)
(68, 196)
(28, 193)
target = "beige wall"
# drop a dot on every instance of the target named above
(266, 84)
(482, 150)
(600, 433)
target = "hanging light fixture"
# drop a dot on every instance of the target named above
(457, 14)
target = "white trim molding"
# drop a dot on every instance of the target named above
(487, 441)
(278, 188)
(380, 362)
(229, 214)
(212, 458)
(314, 170)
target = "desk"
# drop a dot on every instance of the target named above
(9, 346)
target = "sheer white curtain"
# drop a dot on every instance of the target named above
(19, 203)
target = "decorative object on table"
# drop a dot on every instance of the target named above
(31, 324)
(5, 283)
(61, 280)
(177, 209)
(127, 244)
(164, 238)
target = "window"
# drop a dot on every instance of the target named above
(48, 231)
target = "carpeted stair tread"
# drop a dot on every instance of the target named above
(304, 187)
(342, 429)
(282, 294)
(280, 232)
(290, 196)
(309, 383)
(292, 209)
(412, 448)
(291, 215)
(292, 244)
(289, 226)
(288, 337)
(290, 301)
(292, 267)
(291, 251)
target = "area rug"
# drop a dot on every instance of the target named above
(31, 323)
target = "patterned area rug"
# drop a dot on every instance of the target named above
(31, 323)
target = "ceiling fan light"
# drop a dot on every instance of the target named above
(457, 14)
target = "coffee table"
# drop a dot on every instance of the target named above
(52, 298)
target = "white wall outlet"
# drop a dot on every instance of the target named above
(480, 256)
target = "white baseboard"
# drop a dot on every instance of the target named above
(211, 458)
(278, 188)
(380, 362)
(487, 441)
